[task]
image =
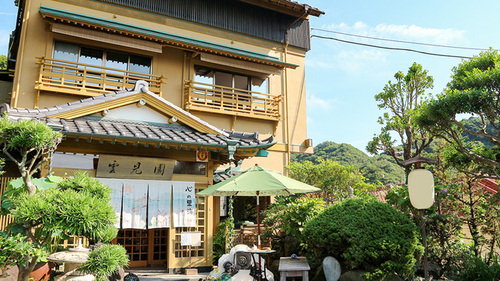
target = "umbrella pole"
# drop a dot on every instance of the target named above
(258, 237)
(258, 222)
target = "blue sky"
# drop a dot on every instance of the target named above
(342, 78)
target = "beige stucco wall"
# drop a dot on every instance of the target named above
(173, 63)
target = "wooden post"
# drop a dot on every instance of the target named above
(424, 242)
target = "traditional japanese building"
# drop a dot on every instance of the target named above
(153, 96)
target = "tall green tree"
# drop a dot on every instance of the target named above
(76, 206)
(336, 181)
(474, 89)
(479, 207)
(3, 62)
(400, 99)
(79, 205)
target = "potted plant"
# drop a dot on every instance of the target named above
(15, 250)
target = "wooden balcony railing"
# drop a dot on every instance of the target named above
(89, 80)
(231, 101)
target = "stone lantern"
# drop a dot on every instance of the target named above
(72, 259)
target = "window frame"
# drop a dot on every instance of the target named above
(104, 57)
(234, 74)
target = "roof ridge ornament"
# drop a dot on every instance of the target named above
(141, 86)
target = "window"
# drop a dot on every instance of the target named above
(230, 80)
(190, 168)
(101, 58)
(224, 92)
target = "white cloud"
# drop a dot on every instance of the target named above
(316, 103)
(352, 60)
(356, 61)
(334, 55)
(425, 35)
(402, 32)
(320, 63)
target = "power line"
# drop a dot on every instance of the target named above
(391, 48)
(401, 41)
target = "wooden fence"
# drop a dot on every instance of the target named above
(4, 220)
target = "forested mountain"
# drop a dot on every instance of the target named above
(379, 168)
(344, 154)
(474, 123)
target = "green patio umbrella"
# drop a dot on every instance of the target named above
(258, 181)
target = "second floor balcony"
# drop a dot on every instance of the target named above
(73, 78)
(231, 101)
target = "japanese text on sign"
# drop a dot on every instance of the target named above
(113, 166)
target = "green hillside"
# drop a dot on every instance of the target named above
(379, 168)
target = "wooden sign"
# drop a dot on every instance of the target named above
(129, 167)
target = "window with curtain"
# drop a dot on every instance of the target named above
(102, 58)
(231, 80)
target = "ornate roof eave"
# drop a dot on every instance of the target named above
(161, 37)
(242, 151)
(137, 141)
(288, 7)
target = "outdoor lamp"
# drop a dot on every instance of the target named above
(421, 191)
(421, 188)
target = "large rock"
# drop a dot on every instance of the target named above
(331, 267)
(12, 272)
(354, 275)
(394, 278)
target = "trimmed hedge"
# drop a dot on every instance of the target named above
(365, 234)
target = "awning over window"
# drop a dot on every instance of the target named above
(234, 63)
(104, 37)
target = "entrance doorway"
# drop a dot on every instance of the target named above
(145, 247)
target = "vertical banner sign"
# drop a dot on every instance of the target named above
(159, 204)
(135, 196)
(116, 197)
(184, 205)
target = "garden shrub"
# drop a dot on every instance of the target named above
(478, 269)
(16, 250)
(365, 234)
(285, 220)
(224, 233)
(105, 260)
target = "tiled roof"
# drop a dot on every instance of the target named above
(143, 131)
(489, 185)
(140, 87)
(133, 131)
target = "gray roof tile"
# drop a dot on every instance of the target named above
(134, 130)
